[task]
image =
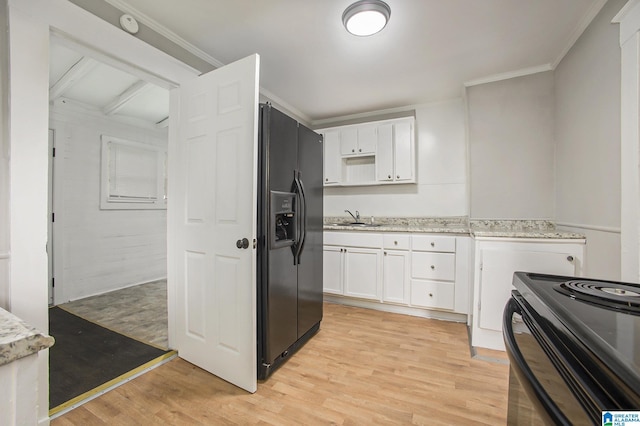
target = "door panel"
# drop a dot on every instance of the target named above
(496, 278)
(212, 204)
(361, 272)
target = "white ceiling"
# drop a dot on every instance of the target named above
(84, 81)
(429, 49)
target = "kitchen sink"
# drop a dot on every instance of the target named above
(364, 225)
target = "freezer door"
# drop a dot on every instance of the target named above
(278, 287)
(310, 257)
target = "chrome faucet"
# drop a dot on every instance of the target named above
(356, 218)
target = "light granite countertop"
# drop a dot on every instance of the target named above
(542, 229)
(436, 225)
(459, 225)
(18, 339)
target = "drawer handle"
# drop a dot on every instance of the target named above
(433, 267)
(433, 244)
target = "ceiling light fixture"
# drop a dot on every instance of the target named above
(366, 17)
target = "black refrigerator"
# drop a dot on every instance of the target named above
(289, 255)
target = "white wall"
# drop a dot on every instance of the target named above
(441, 188)
(511, 148)
(587, 135)
(97, 251)
(4, 161)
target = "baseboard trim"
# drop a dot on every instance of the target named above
(396, 309)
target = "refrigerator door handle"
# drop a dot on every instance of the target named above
(296, 189)
(303, 218)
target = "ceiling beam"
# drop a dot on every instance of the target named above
(73, 74)
(125, 97)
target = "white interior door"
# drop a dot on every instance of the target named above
(212, 205)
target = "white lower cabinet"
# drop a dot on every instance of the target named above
(416, 271)
(495, 263)
(395, 279)
(352, 264)
(362, 272)
(332, 269)
(433, 294)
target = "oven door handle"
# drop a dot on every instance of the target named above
(539, 397)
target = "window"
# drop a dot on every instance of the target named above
(133, 175)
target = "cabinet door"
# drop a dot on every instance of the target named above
(384, 153)
(395, 276)
(403, 150)
(367, 139)
(349, 141)
(332, 269)
(332, 158)
(361, 272)
(496, 276)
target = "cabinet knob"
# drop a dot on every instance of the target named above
(345, 250)
(430, 294)
(433, 244)
(433, 267)
(395, 243)
(353, 150)
(341, 250)
(397, 176)
(385, 253)
(570, 258)
(389, 177)
(360, 150)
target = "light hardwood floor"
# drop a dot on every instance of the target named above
(363, 367)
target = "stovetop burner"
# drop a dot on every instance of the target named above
(617, 296)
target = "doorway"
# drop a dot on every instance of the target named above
(107, 244)
(32, 24)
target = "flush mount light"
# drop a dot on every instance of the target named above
(366, 17)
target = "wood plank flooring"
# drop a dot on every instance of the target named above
(363, 367)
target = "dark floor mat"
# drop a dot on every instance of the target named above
(86, 356)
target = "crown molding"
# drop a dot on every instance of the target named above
(570, 41)
(175, 38)
(577, 32)
(629, 19)
(511, 74)
(165, 32)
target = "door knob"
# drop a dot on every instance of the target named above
(242, 244)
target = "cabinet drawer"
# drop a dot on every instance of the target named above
(397, 242)
(433, 243)
(431, 294)
(433, 266)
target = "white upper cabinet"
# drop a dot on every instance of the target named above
(375, 153)
(395, 159)
(358, 140)
(332, 159)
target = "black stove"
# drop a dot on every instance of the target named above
(622, 297)
(588, 332)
